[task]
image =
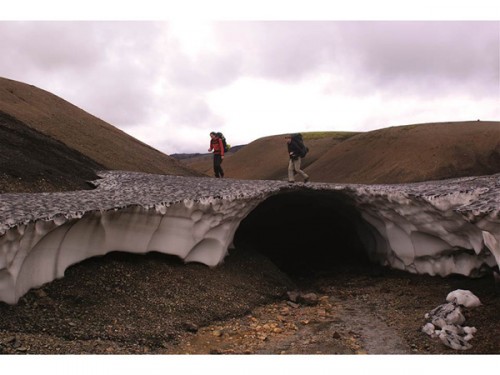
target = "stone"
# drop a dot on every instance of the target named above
(293, 296)
(217, 333)
(190, 327)
(309, 299)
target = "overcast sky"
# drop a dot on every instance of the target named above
(170, 82)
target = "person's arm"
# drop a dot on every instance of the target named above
(210, 148)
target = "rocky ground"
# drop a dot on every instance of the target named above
(154, 304)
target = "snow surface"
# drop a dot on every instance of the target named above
(438, 227)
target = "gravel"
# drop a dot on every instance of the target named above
(154, 304)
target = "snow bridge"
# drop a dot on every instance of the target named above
(437, 227)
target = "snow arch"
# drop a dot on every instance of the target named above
(437, 228)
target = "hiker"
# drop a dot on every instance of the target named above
(294, 151)
(218, 147)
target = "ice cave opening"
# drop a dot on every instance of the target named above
(307, 233)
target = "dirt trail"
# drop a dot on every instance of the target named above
(371, 331)
(331, 327)
(356, 313)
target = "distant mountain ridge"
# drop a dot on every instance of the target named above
(184, 156)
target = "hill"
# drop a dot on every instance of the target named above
(399, 154)
(413, 153)
(31, 162)
(49, 144)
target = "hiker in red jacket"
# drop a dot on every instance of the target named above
(218, 147)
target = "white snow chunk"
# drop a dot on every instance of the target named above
(446, 314)
(429, 329)
(469, 333)
(464, 298)
(452, 339)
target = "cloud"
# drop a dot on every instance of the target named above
(280, 50)
(170, 83)
(46, 47)
(104, 67)
(425, 56)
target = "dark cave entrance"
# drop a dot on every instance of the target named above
(307, 233)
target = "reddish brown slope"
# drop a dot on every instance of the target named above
(79, 130)
(413, 153)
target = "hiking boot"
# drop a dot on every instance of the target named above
(306, 180)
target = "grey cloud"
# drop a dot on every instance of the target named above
(120, 85)
(425, 55)
(374, 55)
(207, 70)
(45, 46)
(189, 108)
(111, 69)
(282, 50)
(106, 66)
(396, 55)
(204, 72)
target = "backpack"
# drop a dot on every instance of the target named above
(299, 141)
(224, 143)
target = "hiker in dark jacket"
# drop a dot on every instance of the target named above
(294, 151)
(218, 147)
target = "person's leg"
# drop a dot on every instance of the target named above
(217, 160)
(296, 165)
(221, 171)
(291, 170)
